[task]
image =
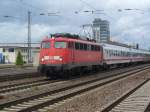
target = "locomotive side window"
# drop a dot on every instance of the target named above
(60, 45)
(77, 46)
(45, 44)
(81, 46)
(85, 46)
(92, 47)
(71, 45)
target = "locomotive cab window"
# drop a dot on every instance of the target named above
(60, 45)
(45, 44)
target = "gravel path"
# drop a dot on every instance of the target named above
(14, 71)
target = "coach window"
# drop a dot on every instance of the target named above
(109, 52)
(106, 52)
(119, 53)
(45, 44)
(116, 53)
(112, 52)
(60, 45)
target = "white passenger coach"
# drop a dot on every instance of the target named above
(113, 54)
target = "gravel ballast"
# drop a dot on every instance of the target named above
(97, 99)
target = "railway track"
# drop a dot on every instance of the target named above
(12, 86)
(23, 86)
(136, 100)
(23, 81)
(41, 102)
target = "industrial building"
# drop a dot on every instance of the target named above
(8, 54)
(101, 30)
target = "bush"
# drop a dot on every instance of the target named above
(19, 59)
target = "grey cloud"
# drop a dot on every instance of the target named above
(126, 26)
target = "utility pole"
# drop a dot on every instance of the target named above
(29, 37)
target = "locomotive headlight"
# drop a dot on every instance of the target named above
(60, 58)
(42, 59)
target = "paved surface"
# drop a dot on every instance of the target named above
(13, 71)
(137, 102)
(2, 66)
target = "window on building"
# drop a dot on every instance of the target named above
(4, 50)
(10, 49)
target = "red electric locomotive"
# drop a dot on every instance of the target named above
(62, 53)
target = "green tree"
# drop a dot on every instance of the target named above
(19, 59)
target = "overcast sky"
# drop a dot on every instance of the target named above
(128, 26)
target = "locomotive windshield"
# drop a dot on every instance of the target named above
(60, 44)
(45, 44)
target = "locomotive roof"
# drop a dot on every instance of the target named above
(71, 40)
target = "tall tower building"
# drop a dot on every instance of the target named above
(101, 31)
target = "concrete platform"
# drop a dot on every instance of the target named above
(136, 102)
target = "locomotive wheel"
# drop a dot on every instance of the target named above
(66, 74)
(106, 67)
(95, 69)
(50, 74)
(78, 71)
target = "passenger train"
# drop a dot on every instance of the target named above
(63, 55)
